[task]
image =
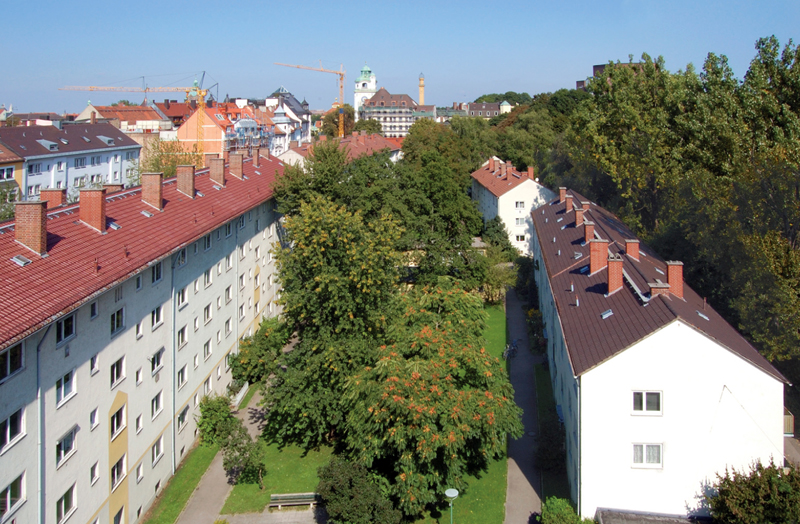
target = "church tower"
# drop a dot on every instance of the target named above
(366, 86)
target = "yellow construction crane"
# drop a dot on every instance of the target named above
(190, 91)
(341, 72)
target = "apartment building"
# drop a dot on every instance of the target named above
(123, 311)
(79, 155)
(394, 112)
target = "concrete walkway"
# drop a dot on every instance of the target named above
(206, 502)
(523, 495)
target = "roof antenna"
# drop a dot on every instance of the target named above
(704, 303)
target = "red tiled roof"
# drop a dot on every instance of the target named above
(176, 109)
(356, 146)
(497, 182)
(48, 287)
(591, 340)
(128, 113)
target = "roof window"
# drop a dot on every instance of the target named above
(148, 214)
(20, 260)
(106, 140)
(703, 316)
(85, 139)
(605, 314)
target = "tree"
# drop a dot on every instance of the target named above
(560, 511)
(330, 122)
(435, 406)
(216, 419)
(164, 156)
(500, 275)
(123, 103)
(372, 127)
(509, 96)
(764, 495)
(258, 354)
(7, 198)
(351, 495)
(243, 457)
(496, 234)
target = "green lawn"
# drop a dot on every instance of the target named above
(483, 502)
(554, 483)
(495, 333)
(288, 471)
(174, 497)
(249, 395)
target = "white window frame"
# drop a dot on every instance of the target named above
(139, 472)
(117, 372)
(157, 451)
(208, 314)
(519, 204)
(93, 310)
(181, 337)
(644, 464)
(62, 397)
(7, 360)
(61, 455)
(118, 472)
(94, 364)
(157, 405)
(156, 273)
(644, 411)
(207, 350)
(182, 377)
(208, 277)
(156, 318)
(94, 419)
(207, 242)
(157, 361)
(117, 321)
(94, 473)
(6, 428)
(121, 422)
(181, 298)
(183, 418)
(63, 513)
(180, 258)
(66, 329)
(139, 424)
(11, 504)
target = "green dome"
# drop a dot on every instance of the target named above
(366, 72)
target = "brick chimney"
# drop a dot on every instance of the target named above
(632, 248)
(217, 169)
(614, 273)
(568, 207)
(588, 231)
(354, 134)
(152, 190)
(53, 197)
(598, 255)
(585, 205)
(675, 278)
(658, 288)
(209, 157)
(504, 169)
(93, 208)
(236, 162)
(30, 225)
(93, 117)
(530, 172)
(491, 164)
(562, 194)
(186, 180)
(113, 188)
(578, 216)
(226, 156)
(256, 158)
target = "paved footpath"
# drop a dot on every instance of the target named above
(523, 495)
(206, 502)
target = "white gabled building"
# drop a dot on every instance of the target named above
(657, 392)
(500, 189)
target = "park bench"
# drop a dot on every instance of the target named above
(277, 500)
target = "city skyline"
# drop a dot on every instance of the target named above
(464, 50)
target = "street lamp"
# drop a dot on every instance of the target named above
(451, 494)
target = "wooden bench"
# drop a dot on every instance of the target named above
(278, 500)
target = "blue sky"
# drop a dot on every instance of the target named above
(465, 48)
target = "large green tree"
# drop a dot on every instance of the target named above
(164, 156)
(330, 122)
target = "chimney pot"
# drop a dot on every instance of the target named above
(530, 172)
(354, 134)
(491, 165)
(152, 190)
(217, 170)
(598, 255)
(186, 180)
(236, 163)
(207, 158)
(675, 278)
(562, 194)
(585, 205)
(504, 168)
(588, 231)
(226, 156)
(30, 225)
(578, 216)
(257, 157)
(113, 188)
(93, 118)
(614, 273)
(568, 207)
(93, 208)
(632, 248)
(53, 197)
(658, 288)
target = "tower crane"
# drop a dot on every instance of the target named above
(341, 72)
(194, 91)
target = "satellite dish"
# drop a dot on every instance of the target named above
(451, 493)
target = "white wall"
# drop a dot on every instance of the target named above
(718, 411)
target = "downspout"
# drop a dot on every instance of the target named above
(238, 291)
(174, 356)
(40, 427)
(580, 445)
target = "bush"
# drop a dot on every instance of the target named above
(243, 457)
(766, 494)
(560, 511)
(216, 419)
(351, 496)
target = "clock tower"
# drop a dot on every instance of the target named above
(366, 86)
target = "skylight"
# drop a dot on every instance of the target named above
(701, 315)
(20, 260)
(114, 226)
(148, 214)
(605, 314)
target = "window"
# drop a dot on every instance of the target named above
(117, 422)
(10, 361)
(207, 242)
(219, 302)
(181, 337)
(196, 285)
(66, 446)
(197, 360)
(241, 281)
(117, 321)
(647, 403)
(138, 376)
(241, 312)
(117, 472)
(138, 330)
(242, 251)
(181, 295)
(117, 372)
(180, 258)
(228, 229)
(227, 327)
(11, 430)
(258, 249)
(94, 473)
(156, 318)
(65, 388)
(80, 162)
(155, 273)
(207, 276)
(96, 160)
(93, 309)
(11, 496)
(130, 155)
(181, 377)
(139, 473)
(118, 294)
(519, 221)
(229, 261)
(156, 361)
(65, 505)
(207, 350)
(647, 455)
(65, 329)
(138, 424)
(182, 417)
(257, 281)
(207, 386)
(520, 238)
(207, 314)
(93, 420)
(228, 358)
(138, 282)
(155, 405)
(228, 294)
(241, 222)
(158, 450)
(196, 323)
(8, 173)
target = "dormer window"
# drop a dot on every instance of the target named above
(382, 104)
(106, 140)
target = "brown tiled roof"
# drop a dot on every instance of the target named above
(128, 113)
(7, 155)
(497, 182)
(356, 146)
(82, 263)
(176, 109)
(382, 95)
(591, 340)
(79, 137)
(484, 106)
